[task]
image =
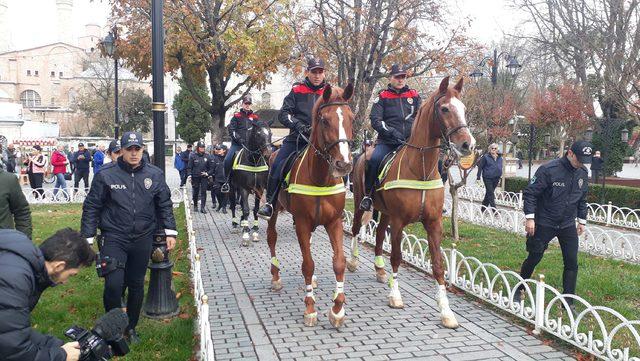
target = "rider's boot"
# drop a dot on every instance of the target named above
(367, 202)
(266, 211)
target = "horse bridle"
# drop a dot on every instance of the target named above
(324, 153)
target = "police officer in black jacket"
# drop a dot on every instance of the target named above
(555, 197)
(185, 158)
(237, 128)
(199, 167)
(295, 114)
(392, 116)
(129, 201)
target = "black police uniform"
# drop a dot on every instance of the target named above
(218, 179)
(199, 167)
(128, 205)
(555, 196)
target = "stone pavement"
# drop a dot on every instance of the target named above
(250, 322)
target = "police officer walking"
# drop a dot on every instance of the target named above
(552, 201)
(199, 167)
(392, 116)
(296, 114)
(237, 128)
(129, 201)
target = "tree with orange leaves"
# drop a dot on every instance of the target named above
(562, 109)
(234, 44)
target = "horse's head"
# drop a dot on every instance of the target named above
(259, 138)
(333, 129)
(453, 124)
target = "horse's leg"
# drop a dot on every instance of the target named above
(272, 238)
(395, 299)
(434, 231)
(303, 231)
(256, 206)
(381, 232)
(232, 206)
(336, 233)
(244, 204)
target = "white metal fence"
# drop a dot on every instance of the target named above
(199, 294)
(77, 195)
(606, 214)
(598, 330)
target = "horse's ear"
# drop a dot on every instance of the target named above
(326, 94)
(444, 85)
(459, 85)
(348, 92)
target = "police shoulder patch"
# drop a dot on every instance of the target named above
(147, 183)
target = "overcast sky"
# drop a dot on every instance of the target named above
(32, 22)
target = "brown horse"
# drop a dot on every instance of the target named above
(419, 197)
(316, 196)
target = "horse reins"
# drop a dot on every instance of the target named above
(324, 153)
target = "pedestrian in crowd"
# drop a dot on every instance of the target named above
(392, 116)
(597, 167)
(12, 159)
(219, 178)
(555, 197)
(113, 152)
(199, 167)
(14, 208)
(212, 181)
(179, 164)
(72, 160)
(4, 157)
(185, 159)
(82, 160)
(59, 162)
(490, 170)
(129, 201)
(98, 159)
(146, 156)
(36, 165)
(27, 272)
(519, 156)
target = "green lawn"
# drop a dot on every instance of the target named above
(79, 302)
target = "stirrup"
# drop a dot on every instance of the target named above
(225, 188)
(366, 203)
(266, 211)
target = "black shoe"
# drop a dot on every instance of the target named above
(225, 188)
(366, 204)
(266, 211)
(202, 210)
(517, 296)
(132, 337)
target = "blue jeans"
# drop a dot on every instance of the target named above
(61, 185)
(228, 159)
(380, 151)
(273, 186)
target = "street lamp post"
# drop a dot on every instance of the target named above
(512, 65)
(109, 46)
(532, 130)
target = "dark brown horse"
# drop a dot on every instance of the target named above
(419, 195)
(316, 196)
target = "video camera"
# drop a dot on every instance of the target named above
(105, 340)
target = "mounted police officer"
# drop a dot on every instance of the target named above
(554, 198)
(392, 116)
(199, 167)
(238, 127)
(296, 114)
(129, 201)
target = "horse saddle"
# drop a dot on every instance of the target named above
(288, 165)
(384, 167)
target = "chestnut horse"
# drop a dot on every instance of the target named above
(417, 194)
(316, 196)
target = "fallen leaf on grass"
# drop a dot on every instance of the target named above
(177, 273)
(184, 316)
(73, 310)
(178, 295)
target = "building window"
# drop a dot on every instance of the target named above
(30, 99)
(28, 72)
(60, 74)
(35, 73)
(53, 101)
(53, 74)
(266, 99)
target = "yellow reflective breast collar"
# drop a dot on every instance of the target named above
(247, 168)
(409, 183)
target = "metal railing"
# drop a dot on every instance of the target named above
(78, 195)
(201, 299)
(598, 330)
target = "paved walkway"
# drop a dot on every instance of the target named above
(250, 322)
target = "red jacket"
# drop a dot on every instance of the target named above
(58, 162)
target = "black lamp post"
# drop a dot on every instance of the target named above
(532, 130)
(109, 46)
(512, 66)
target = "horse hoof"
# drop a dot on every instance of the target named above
(256, 237)
(311, 319)
(449, 321)
(245, 240)
(381, 277)
(396, 302)
(276, 285)
(235, 229)
(352, 265)
(314, 283)
(336, 321)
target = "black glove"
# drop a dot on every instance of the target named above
(396, 135)
(302, 128)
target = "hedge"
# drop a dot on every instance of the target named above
(620, 196)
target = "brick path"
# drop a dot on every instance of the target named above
(250, 322)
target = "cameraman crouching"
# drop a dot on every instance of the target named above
(26, 272)
(129, 201)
